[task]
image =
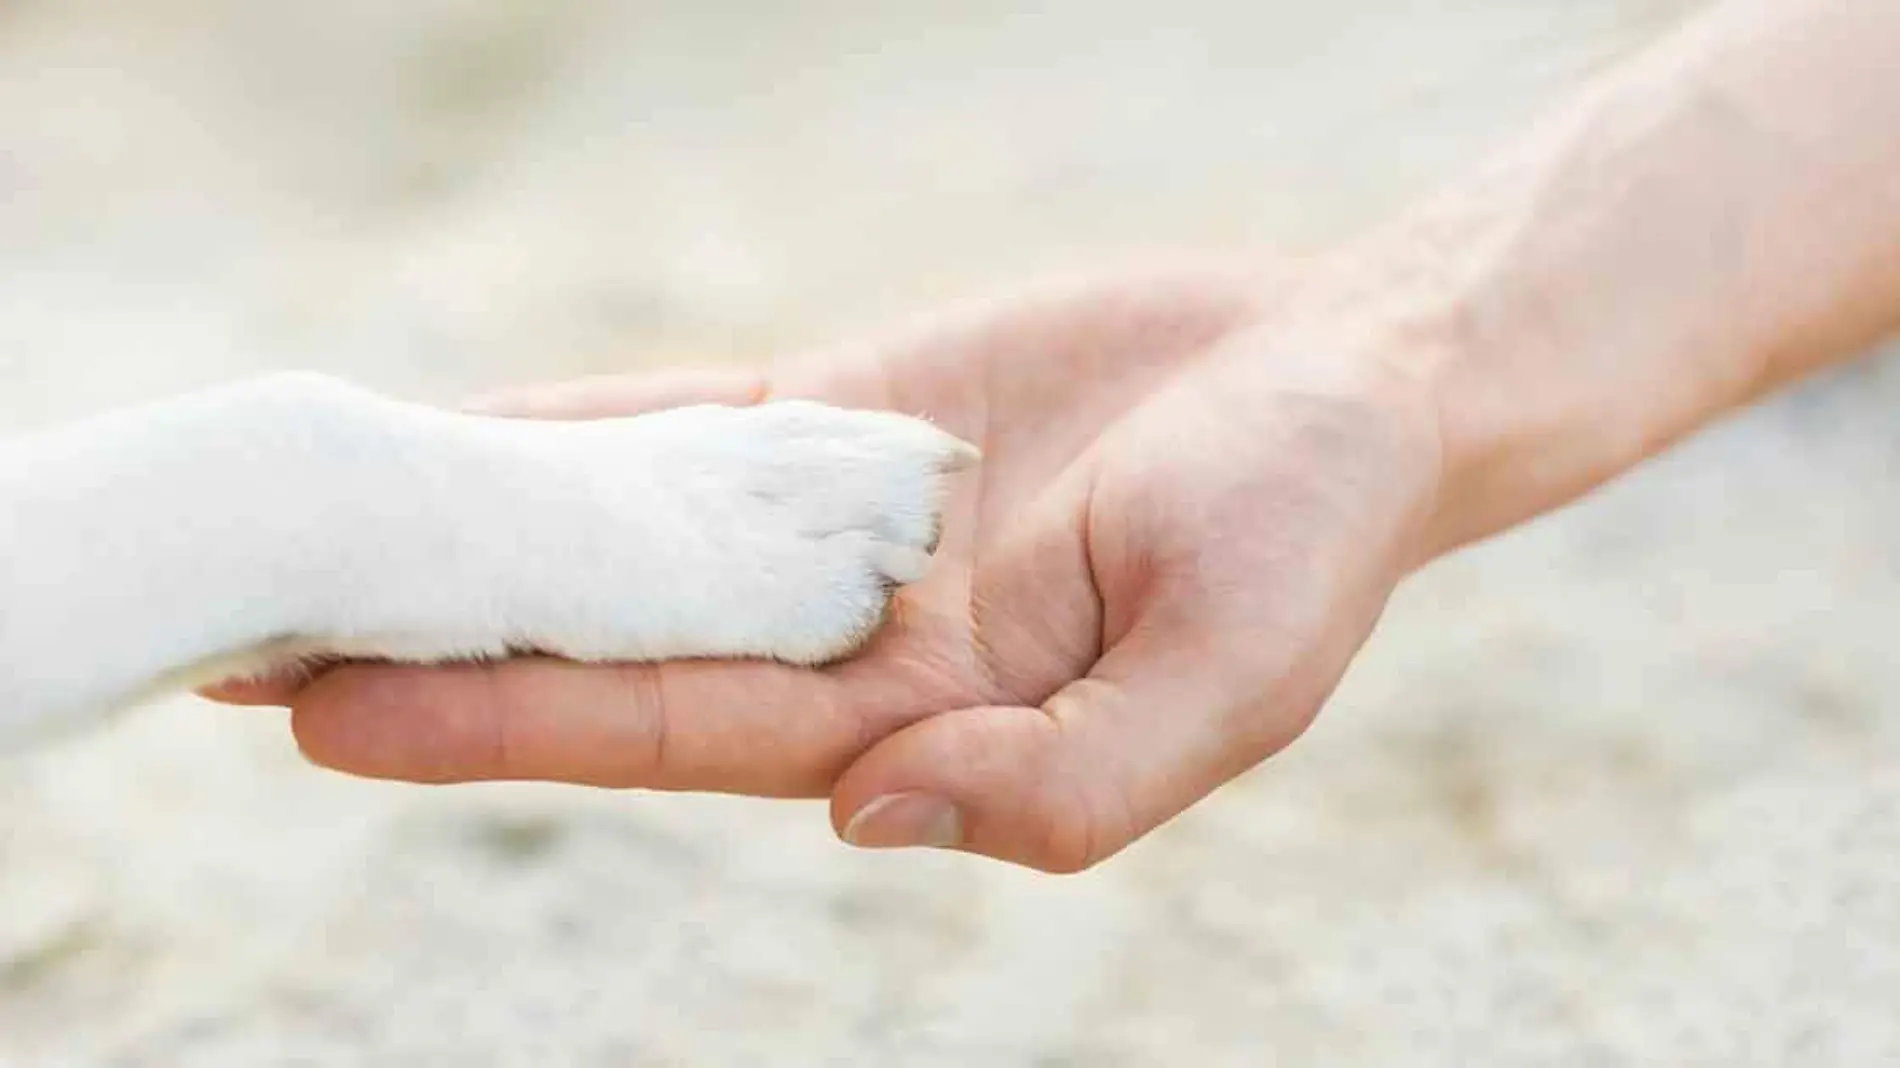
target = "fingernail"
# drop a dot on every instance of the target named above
(899, 821)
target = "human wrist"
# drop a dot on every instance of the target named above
(1533, 399)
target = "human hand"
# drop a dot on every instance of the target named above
(1188, 518)
(1199, 490)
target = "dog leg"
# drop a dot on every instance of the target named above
(236, 530)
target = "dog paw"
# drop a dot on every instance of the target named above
(783, 531)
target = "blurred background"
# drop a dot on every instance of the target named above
(1618, 788)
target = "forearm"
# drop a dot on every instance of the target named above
(1716, 218)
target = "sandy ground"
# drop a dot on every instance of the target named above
(1620, 788)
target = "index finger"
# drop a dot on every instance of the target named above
(755, 728)
(614, 396)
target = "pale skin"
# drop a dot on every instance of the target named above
(1200, 487)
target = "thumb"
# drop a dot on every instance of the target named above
(1154, 728)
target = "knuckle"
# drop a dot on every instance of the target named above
(647, 716)
(1085, 824)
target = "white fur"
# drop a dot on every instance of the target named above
(238, 530)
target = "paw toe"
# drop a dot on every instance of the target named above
(901, 564)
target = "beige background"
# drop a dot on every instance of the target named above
(1619, 788)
